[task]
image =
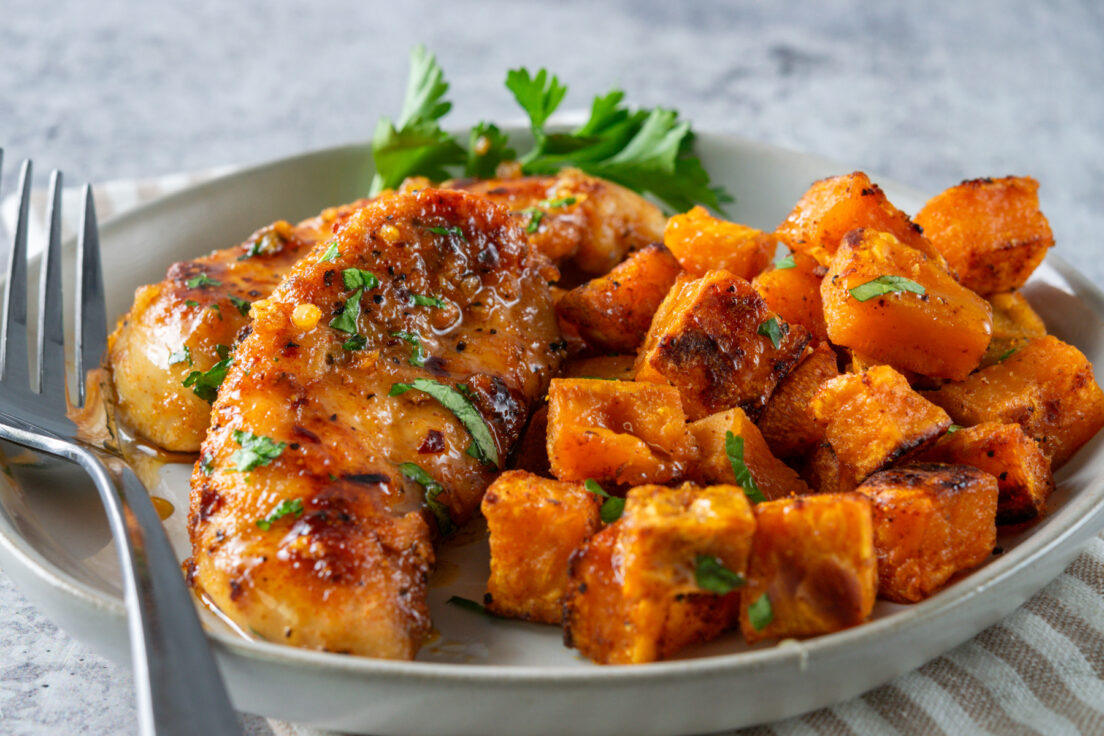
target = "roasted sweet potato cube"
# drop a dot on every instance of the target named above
(607, 367)
(772, 477)
(1014, 323)
(598, 617)
(534, 524)
(794, 293)
(1047, 387)
(873, 418)
(704, 243)
(712, 340)
(824, 472)
(990, 231)
(1024, 480)
(613, 312)
(787, 422)
(619, 431)
(834, 206)
(930, 521)
(890, 302)
(812, 568)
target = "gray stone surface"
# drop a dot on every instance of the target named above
(925, 93)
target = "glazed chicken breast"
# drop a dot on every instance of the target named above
(183, 324)
(381, 387)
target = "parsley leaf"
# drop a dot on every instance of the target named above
(734, 448)
(356, 342)
(487, 148)
(612, 507)
(760, 613)
(191, 303)
(770, 328)
(355, 278)
(242, 305)
(535, 216)
(347, 320)
(415, 144)
(205, 384)
(417, 355)
(206, 464)
(441, 230)
(330, 253)
(421, 300)
(256, 451)
(202, 279)
(787, 262)
(270, 242)
(1007, 354)
(553, 204)
(953, 428)
(713, 577)
(459, 404)
(885, 285)
(285, 507)
(433, 489)
(538, 95)
(184, 355)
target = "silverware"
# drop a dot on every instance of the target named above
(179, 687)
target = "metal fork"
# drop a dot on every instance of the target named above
(179, 687)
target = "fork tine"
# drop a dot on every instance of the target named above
(14, 372)
(51, 327)
(91, 322)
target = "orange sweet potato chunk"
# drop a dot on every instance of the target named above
(1014, 323)
(813, 562)
(535, 524)
(990, 231)
(833, 207)
(930, 521)
(1024, 480)
(704, 243)
(942, 332)
(787, 422)
(598, 617)
(617, 431)
(794, 293)
(873, 418)
(773, 477)
(1047, 387)
(705, 340)
(613, 312)
(824, 472)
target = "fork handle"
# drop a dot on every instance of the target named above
(179, 687)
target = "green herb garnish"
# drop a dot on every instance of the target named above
(760, 613)
(285, 507)
(433, 489)
(487, 148)
(355, 278)
(206, 464)
(191, 303)
(201, 280)
(256, 451)
(557, 203)
(953, 428)
(769, 328)
(1007, 354)
(713, 577)
(612, 508)
(205, 384)
(242, 305)
(454, 230)
(535, 216)
(356, 342)
(417, 355)
(734, 448)
(787, 262)
(331, 253)
(459, 404)
(184, 355)
(885, 285)
(421, 300)
(347, 320)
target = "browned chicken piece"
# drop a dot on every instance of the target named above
(384, 383)
(180, 326)
(574, 216)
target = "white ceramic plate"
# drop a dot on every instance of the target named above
(489, 676)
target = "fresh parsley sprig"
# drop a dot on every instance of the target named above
(734, 449)
(433, 489)
(457, 401)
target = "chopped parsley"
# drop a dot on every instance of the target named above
(487, 148)
(557, 203)
(355, 278)
(191, 303)
(433, 489)
(347, 320)
(184, 355)
(1007, 354)
(536, 214)
(417, 354)
(734, 448)
(284, 508)
(268, 243)
(953, 428)
(459, 403)
(356, 342)
(421, 300)
(769, 328)
(787, 262)
(243, 305)
(454, 230)
(331, 253)
(202, 279)
(713, 577)
(256, 451)
(217, 309)
(885, 285)
(206, 464)
(205, 384)
(760, 613)
(612, 508)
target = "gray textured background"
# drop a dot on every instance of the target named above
(925, 93)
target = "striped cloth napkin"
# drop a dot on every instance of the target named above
(1040, 671)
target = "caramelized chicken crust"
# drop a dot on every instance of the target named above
(436, 285)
